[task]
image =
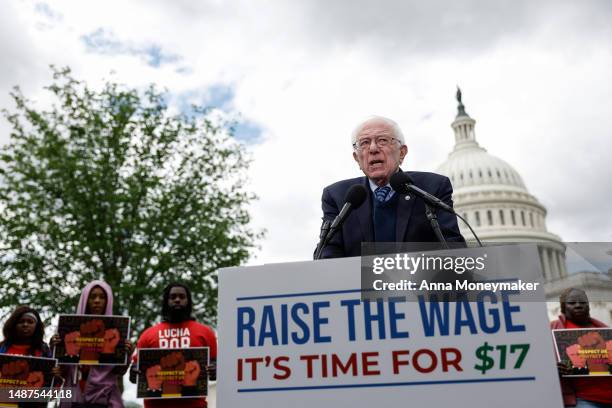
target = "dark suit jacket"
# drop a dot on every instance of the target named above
(412, 224)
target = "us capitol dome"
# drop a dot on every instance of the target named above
(492, 196)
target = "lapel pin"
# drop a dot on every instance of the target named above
(407, 198)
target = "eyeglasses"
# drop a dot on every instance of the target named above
(381, 141)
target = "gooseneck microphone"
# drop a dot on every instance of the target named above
(403, 184)
(354, 198)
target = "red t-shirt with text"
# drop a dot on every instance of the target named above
(178, 335)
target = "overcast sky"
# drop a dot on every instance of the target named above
(535, 75)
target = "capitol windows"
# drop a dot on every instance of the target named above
(512, 217)
(531, 218)
(490, 217)
(539, 220)
(523, 218)
(477, 215)
(501, 217)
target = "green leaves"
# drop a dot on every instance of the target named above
(108, 184)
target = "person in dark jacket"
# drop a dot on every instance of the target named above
(379, 149)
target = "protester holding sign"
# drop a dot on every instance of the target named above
(580, 392)
(177, 330)
(95, 386)
(23, 335)
(92, 339)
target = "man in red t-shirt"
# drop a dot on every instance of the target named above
(178, 330)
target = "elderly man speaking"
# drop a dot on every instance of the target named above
(379, 149)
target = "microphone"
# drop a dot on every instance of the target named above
(322, 235)
(403, 184)
(355, 196)
(324, 228)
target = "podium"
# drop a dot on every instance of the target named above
(305, 334)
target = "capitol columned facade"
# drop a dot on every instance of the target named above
(491, 195)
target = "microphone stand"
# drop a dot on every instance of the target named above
(322, 236)
(407, 187)
(433, 219)
(328, 236)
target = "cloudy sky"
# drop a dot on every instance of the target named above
(535, 75)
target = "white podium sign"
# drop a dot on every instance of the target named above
(299, 335)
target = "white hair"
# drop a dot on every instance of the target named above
(397, 132)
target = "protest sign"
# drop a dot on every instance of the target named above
(172, 372)
(587, 352)
(25, 378)
(302, 331)
(92, 339)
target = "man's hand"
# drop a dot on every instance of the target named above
(111, 339)
(192, 372)
(36, 379)
(71, 342)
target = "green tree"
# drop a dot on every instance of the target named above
(110, 185)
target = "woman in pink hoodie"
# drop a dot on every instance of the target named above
(94, 386)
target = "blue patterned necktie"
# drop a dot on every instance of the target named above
(382, 193)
